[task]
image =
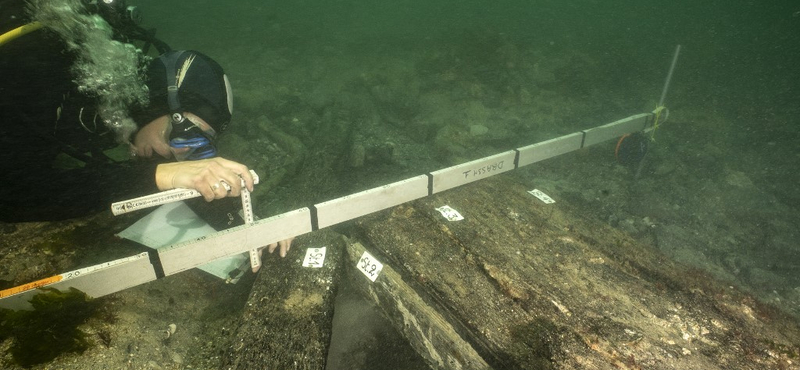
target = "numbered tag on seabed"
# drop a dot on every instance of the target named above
(369, 266)
(542, 196)
(449, 213)
(315, 257)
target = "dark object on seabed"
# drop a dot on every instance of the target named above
(51, 329)
(631, 149)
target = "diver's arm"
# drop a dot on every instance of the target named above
(38, 193)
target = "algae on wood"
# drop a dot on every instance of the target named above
(430, 334)
(542, 286)
(286, 323)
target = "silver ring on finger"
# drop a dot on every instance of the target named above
(215, 186)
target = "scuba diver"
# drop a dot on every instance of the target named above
(62, 110)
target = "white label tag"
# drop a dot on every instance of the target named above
(369, 266)
(542, 196)
(449, 213)
(315, 257)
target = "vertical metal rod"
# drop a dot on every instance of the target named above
(661, 102)
(669, 75)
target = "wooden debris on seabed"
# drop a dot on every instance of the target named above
(530, 285)
(286, 323)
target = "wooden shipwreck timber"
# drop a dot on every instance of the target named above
(520, 284)
(517, 283)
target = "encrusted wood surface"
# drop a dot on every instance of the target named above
(287, 321)
(428, 332)
(537, 286)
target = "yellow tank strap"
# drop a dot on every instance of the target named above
(19, 31)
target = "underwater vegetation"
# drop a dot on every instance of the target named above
(49, 330)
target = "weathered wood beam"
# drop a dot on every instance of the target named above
(286, 323)
(428, 332)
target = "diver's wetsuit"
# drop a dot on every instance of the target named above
(39, 123)
(36, 84)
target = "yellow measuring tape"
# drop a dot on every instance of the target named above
(31, 285)
(19, 31)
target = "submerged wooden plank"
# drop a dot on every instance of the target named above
(286, 323)
(431, 335)
(538, 286)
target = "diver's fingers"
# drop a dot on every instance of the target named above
(285, 246)
(248, 178)
(240, 171)
(206, 189)
(145, 151)
(163, 149)
(260, 251)
(213, 180)
(220, 189)
(218, 173)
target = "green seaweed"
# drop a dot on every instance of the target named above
(790, 351)
(50, 329)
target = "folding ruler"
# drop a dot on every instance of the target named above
(175, 195)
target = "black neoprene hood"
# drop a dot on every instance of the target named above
(203, 88)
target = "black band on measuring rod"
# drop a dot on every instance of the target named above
(430, 184)
(583, 138)
(155, 260)
(314, 219)
(516, 159)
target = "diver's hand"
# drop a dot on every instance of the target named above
(152, 139)
(206, 176)
(284, 245)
